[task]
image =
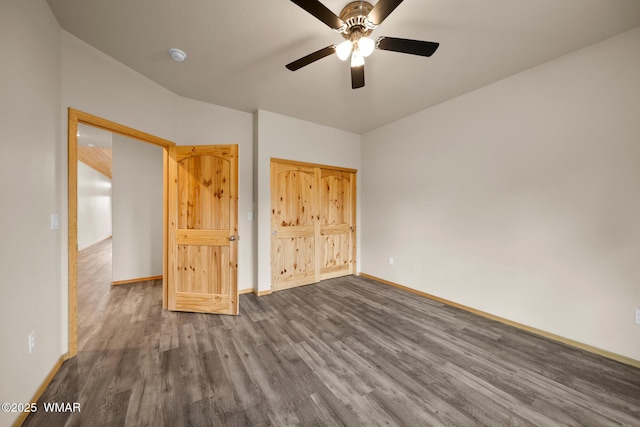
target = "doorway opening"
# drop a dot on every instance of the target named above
(76, 118)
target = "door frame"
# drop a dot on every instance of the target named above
(76, 117)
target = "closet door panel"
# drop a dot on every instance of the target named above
(337, 223)
(294, 220)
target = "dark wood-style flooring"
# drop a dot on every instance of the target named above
(346, 351)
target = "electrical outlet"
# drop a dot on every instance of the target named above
(32, 341)
(637, 316)
(390, 260)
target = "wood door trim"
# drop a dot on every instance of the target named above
(138, 280)
(109, 126)
(74, 118)
(354, 217)
(168, 297)
(313, 165)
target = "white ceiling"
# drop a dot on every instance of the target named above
(237, 50)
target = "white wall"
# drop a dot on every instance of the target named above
(137, 209)
(283, 137)
(97, 84)
(94, 206)
(30, 173)
(520, 199)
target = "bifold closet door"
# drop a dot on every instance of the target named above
(337, 223)
(294, 212)
(312, 223)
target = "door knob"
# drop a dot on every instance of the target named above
(232, 238)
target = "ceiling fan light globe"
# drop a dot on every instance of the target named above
(357, 60)
(366, 46)
(343, 50)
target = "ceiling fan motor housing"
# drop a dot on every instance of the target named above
(354, 16)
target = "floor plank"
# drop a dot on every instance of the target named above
(346, 351)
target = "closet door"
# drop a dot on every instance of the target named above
(337, 223)
(312, 223)
(294, 217)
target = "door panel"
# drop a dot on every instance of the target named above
(201, 269)
(294, 219)
(203, 192)
(335, 255)
(294, 198)
(203, 237)
(337, 222)
(294, 262)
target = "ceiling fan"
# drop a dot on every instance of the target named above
(356, 22)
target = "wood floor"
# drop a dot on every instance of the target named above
(345, 351)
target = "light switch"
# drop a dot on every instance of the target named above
(55, 221)
(250, 216)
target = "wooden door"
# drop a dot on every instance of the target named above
(203, 229)
(337, 223)
(293, 225)
(312, 223)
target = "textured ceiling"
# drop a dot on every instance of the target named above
(237, 50)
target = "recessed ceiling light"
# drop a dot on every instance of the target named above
(177, 54)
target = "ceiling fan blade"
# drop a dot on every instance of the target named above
(312, 57)
(414, 47)
(381, 10)
(357, 77)
(321, 12)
